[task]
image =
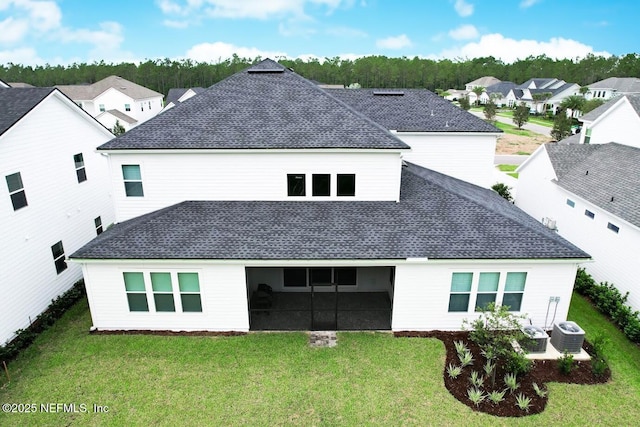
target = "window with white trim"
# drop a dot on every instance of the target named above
(571, 203)
(101, 108)
(81, 172)
(58, 257)
(613, 227)
(98, 224)
(162, 292)
(16, 191)
(136, 292)
(189, 285)
(589, 214)
(487, 290)
(514, 290)
(132, 181)
(460, 291)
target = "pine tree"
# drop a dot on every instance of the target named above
(118, 129)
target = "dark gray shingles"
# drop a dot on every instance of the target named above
(416, 110)
(263, 110)
(438, 217)
(613, 173)
(16, 102)
(502, 88)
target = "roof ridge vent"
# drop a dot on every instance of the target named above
(388, 93)
(265, 70)
(432, 113)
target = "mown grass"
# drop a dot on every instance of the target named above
(277, 379)
(532, 119)
(510, 169)
(512, 129)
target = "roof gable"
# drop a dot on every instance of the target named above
(484, 81)
(263, 107)
(92, 91)
(15, 103)
(438, 217)
(412, 110)
(606, 175)
(611, 105)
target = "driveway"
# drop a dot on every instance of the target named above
(544, 130)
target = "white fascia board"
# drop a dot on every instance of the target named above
(251, 262)
(256, 150)
(450, 133)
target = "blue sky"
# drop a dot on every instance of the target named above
(65, 31)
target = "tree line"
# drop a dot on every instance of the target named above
(371, 71)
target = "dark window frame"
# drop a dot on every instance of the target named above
(346, 184)
(81, 170)
(589, 214)
(321, 184)
(17, 195)
(613, 227)
(57, 251)
(296, 184)
(97, 222)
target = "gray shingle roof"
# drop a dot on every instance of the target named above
(438, 217)
(594, 114)
(120, 116)
(174, 94)
(89, 92)
(263, 107)
(618, 84)
(612, 173)
(16, 102)
(503, 88)
(412, 110)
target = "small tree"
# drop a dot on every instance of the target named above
(464, 103)
(561, 126)
(572, 103)
(478, 90)
(503, 190)
(490, 110)
(118, 129)
(591, 104)
(521, 115)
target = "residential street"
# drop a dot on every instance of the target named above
(528, 126)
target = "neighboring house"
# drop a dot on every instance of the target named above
(485, 82)
(455, 94)
(281, 196)
(115, 93)
(3, 85)
(503, 94)
(590, 194)
(612, 87)
(178, 95)
(442, 137)
(111, 117)
(19, 84)
(54, 198)
(617, 120)
(558, 91)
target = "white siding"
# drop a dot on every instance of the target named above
(620, 124)
(222, 289)
(422, 292)
(175, 177)
(113, 99)
(467, 157)
(537, 193)
(41, 147)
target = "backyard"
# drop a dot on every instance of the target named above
(277, 379)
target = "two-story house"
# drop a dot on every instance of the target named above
(54, 198)
(613, 87)
(266, 202)
(114, 98)
(589, 192)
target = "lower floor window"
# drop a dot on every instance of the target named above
(486, 288)
(514, 290)
(460, 291)
(300, 277)
(163, 292)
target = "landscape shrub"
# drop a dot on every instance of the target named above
(58, 306)
(608, 299)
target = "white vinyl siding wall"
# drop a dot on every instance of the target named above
(175, 177)
(467, 157)
(41, 147)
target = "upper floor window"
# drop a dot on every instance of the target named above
(81, 173)
(589, 214)
(613, 227)
(98, 223)
(127, 107)
(132, 180)
(346, 184)
(16, 191)
(296, 184)
(101, 107)
(321, 184)
(58, 257)
(571, 203)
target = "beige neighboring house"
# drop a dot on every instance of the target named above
(612, 87)
(136, 102)
(485, 81)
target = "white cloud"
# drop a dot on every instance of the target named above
(464, 32)
(23, 56)
(396, 42)
(510, 50)
(44, 15)
(528, 3)
(13, 30)
(463, 8)
(220, 51)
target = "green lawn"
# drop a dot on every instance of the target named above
(276, 379)
(532, 119)
(510, 169)
(512, 129)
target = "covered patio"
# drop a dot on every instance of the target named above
(320, 311)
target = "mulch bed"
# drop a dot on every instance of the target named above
(542, 372)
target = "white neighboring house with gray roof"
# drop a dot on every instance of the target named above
(54, 198)
(617, 120)
(590, 194)
(266, 202)
(177, 95)
(613, 87)
(136, 102)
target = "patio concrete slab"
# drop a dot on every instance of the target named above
(552, 354)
